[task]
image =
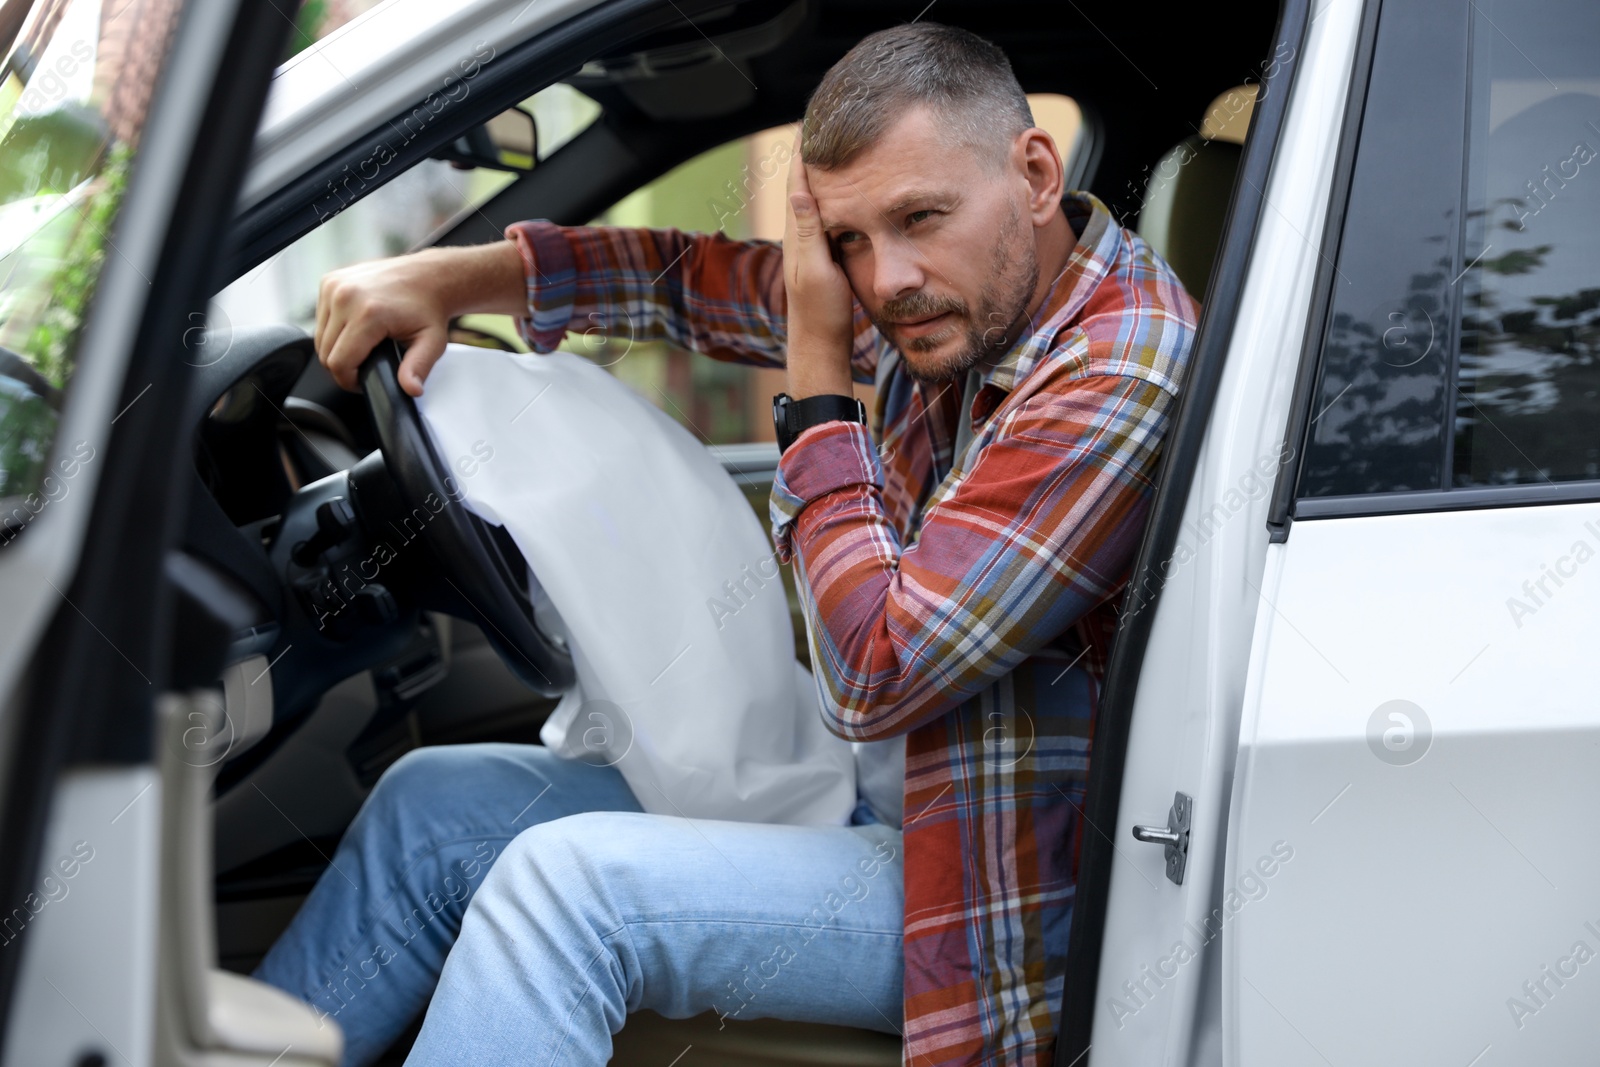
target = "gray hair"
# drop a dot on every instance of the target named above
(966, 80)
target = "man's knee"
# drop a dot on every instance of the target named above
(417, 774)
(588, 842)
(418, 786)
(581, 858)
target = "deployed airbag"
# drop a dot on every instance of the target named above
(664, 581)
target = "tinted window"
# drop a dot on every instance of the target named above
(1464, 323)
(1380, 407)
(74, 93)
(1527, 407)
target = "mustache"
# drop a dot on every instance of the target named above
(920, 305)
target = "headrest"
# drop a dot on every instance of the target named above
(1186, 200)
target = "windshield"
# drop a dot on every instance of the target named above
(399, 216)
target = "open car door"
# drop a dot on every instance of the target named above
(124, 128)
(1146, 953)
(1371, 690)
(1420, 721)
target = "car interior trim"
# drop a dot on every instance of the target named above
(1528, 494)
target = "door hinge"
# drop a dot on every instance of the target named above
(1175, 836)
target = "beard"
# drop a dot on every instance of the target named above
(987, 334)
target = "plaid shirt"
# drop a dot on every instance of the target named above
(966, 601)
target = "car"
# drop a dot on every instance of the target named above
(1343, 749)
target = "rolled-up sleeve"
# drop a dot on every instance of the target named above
(1041, 529)
(823, 460)
(703, 292)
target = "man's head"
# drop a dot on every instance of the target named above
(935, 189)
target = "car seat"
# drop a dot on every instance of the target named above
(1185, 205)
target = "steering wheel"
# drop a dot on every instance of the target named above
(481, 575)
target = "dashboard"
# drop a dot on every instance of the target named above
(275, 442)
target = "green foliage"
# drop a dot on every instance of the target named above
(307, 27)
(1518, 261)
(27, 426)
(49, 348)
(49, 153)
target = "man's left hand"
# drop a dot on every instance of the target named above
(820, 313)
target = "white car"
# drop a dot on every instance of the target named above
(1344, 749)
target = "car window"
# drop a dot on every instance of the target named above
(398, 217)
(1464, 324)
(74, 94)
(316, 19)
(1379, 412)
(738, 189)
(1527, 403)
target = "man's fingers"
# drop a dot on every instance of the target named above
(799, 181)
(423, 352)
(350, 349)
(807, 223)
(323, 311)
(327, 339)
(799, 192)
(336, 312)
(805, 247)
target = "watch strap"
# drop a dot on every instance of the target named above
(799, 416)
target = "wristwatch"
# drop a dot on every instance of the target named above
(791, 417)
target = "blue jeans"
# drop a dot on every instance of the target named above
(538, 905)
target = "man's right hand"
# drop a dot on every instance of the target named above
(412, 299)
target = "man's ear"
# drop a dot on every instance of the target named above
(1041, 165)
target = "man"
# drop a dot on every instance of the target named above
(958, 582)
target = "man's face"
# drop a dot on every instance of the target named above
(937, 245)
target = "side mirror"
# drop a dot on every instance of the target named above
(509, 141)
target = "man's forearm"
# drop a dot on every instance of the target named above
(703, 292)
(486, 279)
(817, 367)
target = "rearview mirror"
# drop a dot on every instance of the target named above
(509, 141)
